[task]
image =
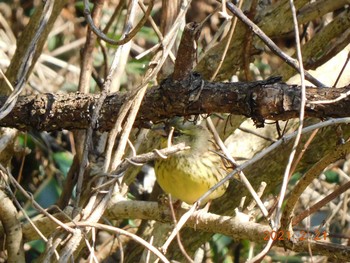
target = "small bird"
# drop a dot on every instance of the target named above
(188, 174)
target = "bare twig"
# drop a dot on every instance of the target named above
(158, 33)
(138, 94)
(259, 193)
(269, 149)
(125, 38)
(35, 204)
(97, 203)
(229, 39)
(343, 95)
(126, 106)
(84, 87)
(277, 219)
(87, 52)
(241, 174)
(301, 117)
(184, 218)
(342, 70)
(290, 61)
(177, 231)
(6, 80)
(27, 60)
(337, 192)
(310, 175)
(116, 12)
(126, 233)
(302, 152)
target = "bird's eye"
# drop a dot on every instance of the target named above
(176, 133)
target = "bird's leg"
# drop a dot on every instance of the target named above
(178, 227)
(166, 200)
(177, 204)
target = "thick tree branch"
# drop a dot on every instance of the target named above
(204, 222)
(187, 51)
(259, 100)
(12, 228)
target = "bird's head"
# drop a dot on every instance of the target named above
(194, 135)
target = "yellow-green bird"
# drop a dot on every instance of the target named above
(188, 174)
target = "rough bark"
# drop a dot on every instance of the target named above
(259, 100)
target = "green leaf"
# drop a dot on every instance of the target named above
(332, 176)
(38, 245)
(63, 160)
(295, 178)
(79, 5)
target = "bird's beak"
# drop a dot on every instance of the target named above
(160, 129)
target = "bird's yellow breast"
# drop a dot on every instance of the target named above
(188, 177)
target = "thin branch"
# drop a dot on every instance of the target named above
(342, 69)
(228, 41)
(302, 152)
(337, 192)
(6, 80)
(97, 203)
(123, 111)
(158, 33)
(340, 151)
(301, 118)
(342, 95)
(278, 215)
(27, 60)
(35, 204)
(84, 87)
(242, 176)
(274, 48)
(116, 12)
(269, 149)
(140, 160)
(137, 97)
(127, 37)
(126, 233)
(87, 51)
